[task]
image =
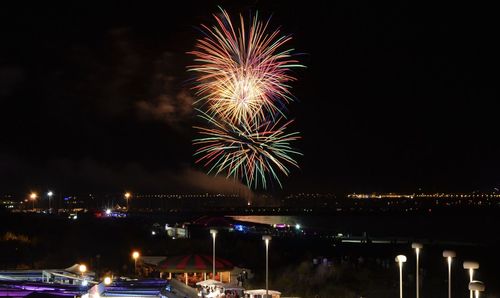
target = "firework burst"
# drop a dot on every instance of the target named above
(243, 73)
(252, 155)
(242, 77)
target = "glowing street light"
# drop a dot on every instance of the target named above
(470, 265)
(266, 239)
(417, 247)
(214, 234)
(82, 268)
(33, 197)
(400, 259)
(107, 280)
(135, 256)
(476, 286)
(449, 255)
(127, 196)
(50, 194)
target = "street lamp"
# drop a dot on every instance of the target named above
(400, 259)
(266, 239)
(33, 197)
(470, 265)
(135, 256)
(476, 286)
(417, 247)
(449, 255)
(50, 194)
(214, 234)
(82, 268)
(107, 280)
(127, 197)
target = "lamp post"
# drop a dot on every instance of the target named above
(417, 247)
(82, 268)
(50, 194)
(471, 265)
(127, 196)
(477, 287)
(214, 234)
(266, 239)
(449, 255)
(400, 259)
(33, 197)
(135, 256)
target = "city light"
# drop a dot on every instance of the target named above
(50, 194)
(127, 196)
(471, 266)
(135, 256)
(33, 197)
(214, 234)
(267, 239)
(476, 287)
(449, 255)
(400, 259)
(107, 280)
(82, 268)
(417, 247)
(108, 211)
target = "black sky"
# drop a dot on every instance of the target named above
(396, 96)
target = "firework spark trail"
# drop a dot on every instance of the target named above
(253, 155)
(242, 73)
(242, 87)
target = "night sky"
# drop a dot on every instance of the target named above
(395, 97)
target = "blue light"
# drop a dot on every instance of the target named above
(240, 228)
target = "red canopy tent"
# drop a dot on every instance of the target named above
(198, 266)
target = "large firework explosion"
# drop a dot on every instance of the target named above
(249, 154)
(242, 87)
